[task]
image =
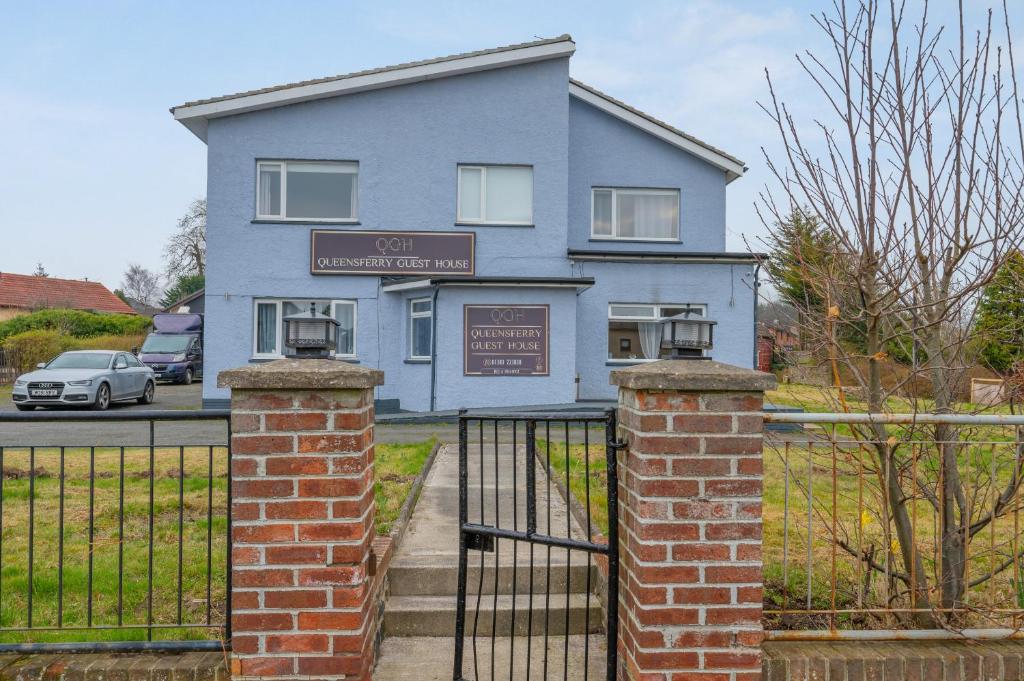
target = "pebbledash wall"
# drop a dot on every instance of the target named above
(409, 128)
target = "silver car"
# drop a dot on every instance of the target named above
(85, 377)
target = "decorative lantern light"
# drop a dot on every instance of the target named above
(310, 334)
(689, 335)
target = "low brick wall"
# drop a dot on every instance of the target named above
(896, 660)
(114, 667)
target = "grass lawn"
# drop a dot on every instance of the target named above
(396, 467)
(189, 498)
(5, 392)
(803, 543)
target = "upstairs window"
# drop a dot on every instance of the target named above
(495, 195)
(637, 214)
(636, 332)
(306, 190)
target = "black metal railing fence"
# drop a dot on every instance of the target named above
(123, 545)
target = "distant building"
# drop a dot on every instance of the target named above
(24, 293)
(144, 309)
(193, 302)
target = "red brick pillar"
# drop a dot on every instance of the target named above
(302, 519)
(690, 521)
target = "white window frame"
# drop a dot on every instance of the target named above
(483, 195)
(283, 216)
(615, 213)
(279, 331)
(420, 315)
(656, 316)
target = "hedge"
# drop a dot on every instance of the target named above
(27, 349)
(76, 323)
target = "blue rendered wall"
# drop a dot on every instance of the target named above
(726, 289)
(408, 141)
(606, 152)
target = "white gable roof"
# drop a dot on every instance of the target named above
(732, 166)
(194, 115)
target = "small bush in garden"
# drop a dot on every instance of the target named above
(29, 348)
(77, 323)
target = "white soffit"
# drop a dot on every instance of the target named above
(732, 166)
(195, 115)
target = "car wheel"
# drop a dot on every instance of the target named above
(25, 407)
(147, 394)
(188, 377)
(102, 398)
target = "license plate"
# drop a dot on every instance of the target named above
(44, 393)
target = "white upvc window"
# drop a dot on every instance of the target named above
(636, 332)
(324, 191)
(421, 331)
(634, 214)
(495, 195)
(268, 325)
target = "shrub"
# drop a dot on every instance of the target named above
(77, 323)
(29, 348)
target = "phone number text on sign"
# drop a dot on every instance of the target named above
(506, 340)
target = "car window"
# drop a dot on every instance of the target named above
(133, 361)
(121, 361)
(81, 360)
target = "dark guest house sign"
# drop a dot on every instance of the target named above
(506, 340)
(430, 253)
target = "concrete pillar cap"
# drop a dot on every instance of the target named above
(300, 374)
(692, 376)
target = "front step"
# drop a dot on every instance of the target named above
(435, 615)
(423, 578)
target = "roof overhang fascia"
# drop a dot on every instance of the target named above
(195, 117)
(666, 257)
(493, 282)
(733, 170)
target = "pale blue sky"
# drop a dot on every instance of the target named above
(94, 172)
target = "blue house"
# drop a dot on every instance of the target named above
(484, 228)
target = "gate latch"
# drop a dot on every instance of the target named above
(479, 542)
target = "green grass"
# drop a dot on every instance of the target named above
(5, 392)
(794, 546)
(34, 507)
(395, 468)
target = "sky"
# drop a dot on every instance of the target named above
(94, 172)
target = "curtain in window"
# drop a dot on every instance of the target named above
(647, 216)
(266, 329)
(345, 314)
(650, 338)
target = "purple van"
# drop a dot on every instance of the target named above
(174, 349)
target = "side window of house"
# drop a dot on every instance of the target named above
(637, 214)
(307, 190)
(420, 328)
(636, 332)
(268, 325)
(495, 195)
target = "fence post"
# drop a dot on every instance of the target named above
(302, 519)
(690, 595)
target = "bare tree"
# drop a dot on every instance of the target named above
(140, 284)
(185, 252)
(914, 171)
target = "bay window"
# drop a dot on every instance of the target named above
(637, 214)
(636, 332)
(495, 195)
(268, 325)
(306, 190)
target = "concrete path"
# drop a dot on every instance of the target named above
(504, 595)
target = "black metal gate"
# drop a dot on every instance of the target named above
(530, 479)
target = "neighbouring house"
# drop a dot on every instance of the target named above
(484, 228)
(144, 309)
(193, 302)
(24, 293)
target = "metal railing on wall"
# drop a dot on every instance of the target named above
(118, 544)
(893, 526)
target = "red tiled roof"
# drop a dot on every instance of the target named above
(31, 292)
